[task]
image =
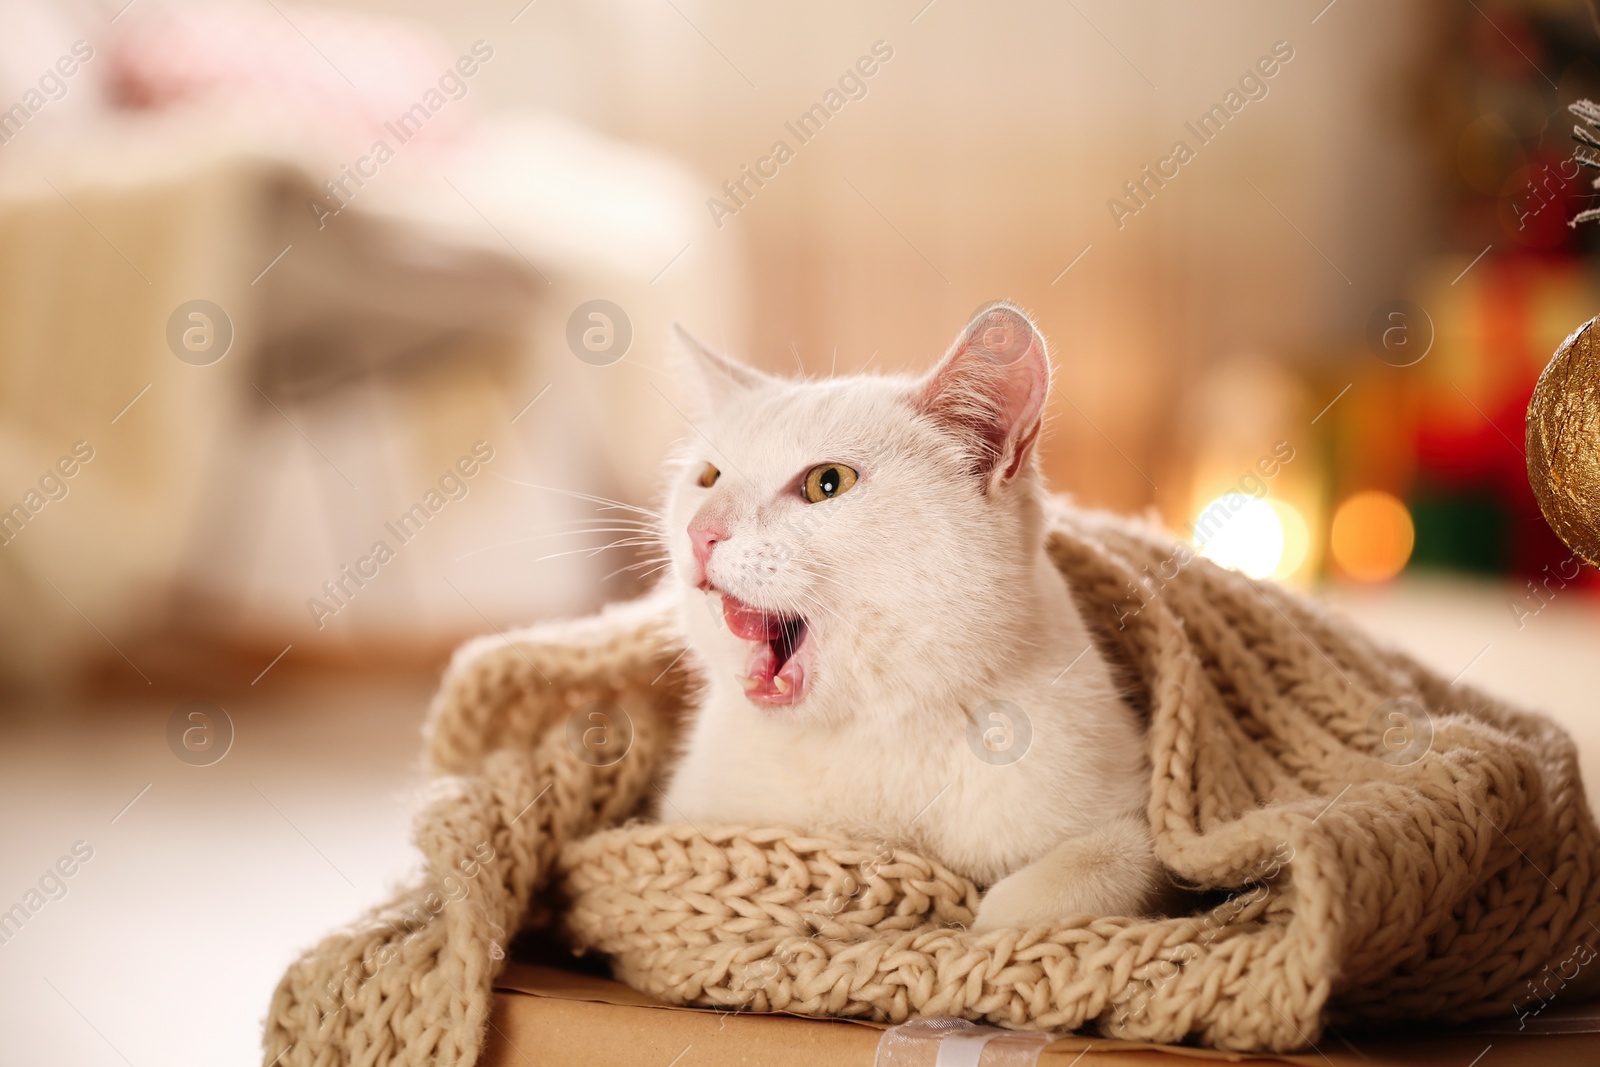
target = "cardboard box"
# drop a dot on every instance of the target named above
(551, 1017)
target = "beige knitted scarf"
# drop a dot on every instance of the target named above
(1382, 845)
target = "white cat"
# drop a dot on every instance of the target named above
(891, 654)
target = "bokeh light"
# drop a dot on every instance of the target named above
(1249, 536)
(1296, 539)
(1372, 536)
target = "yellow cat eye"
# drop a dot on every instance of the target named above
(708, 477)
(826, 481)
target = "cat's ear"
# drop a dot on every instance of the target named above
(990, 390)
(711, 377)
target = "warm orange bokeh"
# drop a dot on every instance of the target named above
(1372, 536)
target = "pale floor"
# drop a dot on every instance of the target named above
(166, 947)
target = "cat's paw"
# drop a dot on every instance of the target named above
(1031, 896)
(1101, 874)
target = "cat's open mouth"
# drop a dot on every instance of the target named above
(776, 672)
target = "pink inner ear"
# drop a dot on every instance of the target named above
(991, 389)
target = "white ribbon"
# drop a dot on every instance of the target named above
(949, 1042)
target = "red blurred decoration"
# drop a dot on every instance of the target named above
(322, 69)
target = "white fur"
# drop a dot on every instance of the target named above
(927, 593)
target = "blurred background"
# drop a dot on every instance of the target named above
(328, 330)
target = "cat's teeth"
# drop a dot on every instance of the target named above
(748, 682)
(781, 682)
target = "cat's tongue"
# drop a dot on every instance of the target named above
(750, 623)
(774, 673)
(767, 681)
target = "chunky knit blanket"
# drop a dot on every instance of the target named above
(1378, 845)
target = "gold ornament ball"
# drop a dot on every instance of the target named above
(1564, 442)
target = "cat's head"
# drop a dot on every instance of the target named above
(841, 540)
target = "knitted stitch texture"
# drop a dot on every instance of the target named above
(1389, 846)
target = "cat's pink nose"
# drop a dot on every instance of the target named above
(702, 539)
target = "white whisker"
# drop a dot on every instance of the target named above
(635, 531)
(559, 533)
(606, 501)
(625, 542)
(660, 564)
(639, 524)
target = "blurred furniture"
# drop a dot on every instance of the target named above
(368, 355)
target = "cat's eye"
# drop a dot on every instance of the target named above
(826, 481)
(708, 477)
